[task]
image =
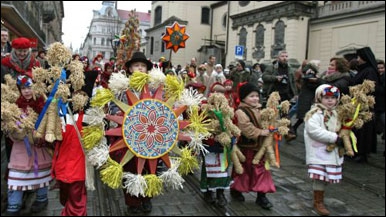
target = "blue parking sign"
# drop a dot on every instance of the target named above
(239, 50)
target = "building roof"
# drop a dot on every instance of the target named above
(142, 16)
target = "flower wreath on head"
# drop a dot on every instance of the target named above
(331, 91)
(23, 80)
(149, 130)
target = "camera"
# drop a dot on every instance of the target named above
(308, 76)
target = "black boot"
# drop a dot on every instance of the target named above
(237, 195)
(208, 197)
(221, 200)
(147, 206)
(262, 201)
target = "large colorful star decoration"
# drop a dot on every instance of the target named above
(148, 130)
(175, 36)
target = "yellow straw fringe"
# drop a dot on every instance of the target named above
(91, 136)
(138, 80)
(173, 87)
(111, 174)
(188, 162)
(102, 97)
(154, 185)
(198, 121)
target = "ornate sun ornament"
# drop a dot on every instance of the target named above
(175, 37)
(149, 128)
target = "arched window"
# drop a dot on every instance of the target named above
(158, 15)
(243, 40)
(279, 38)
(109, 12)
(259, 43)
(205, 14)
(279, 32)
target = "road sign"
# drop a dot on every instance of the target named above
(239, 51)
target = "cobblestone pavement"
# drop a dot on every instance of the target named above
(361, 193)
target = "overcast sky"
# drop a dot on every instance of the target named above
(78, 15)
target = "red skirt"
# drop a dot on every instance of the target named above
(255, 177)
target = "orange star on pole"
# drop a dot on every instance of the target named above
(175, 36)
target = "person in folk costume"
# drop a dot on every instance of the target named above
(105, 76)
(254, 178)
(134, 204)
(76, 57)
(30, 160)
(230, 94)
(215, 168)
(68, 164)
(321, 128)
(98, 61)
(19, 62)
(367, 70)
(113, 61)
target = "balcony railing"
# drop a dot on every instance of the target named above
(347, 7)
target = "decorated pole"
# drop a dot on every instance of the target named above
(175, 38)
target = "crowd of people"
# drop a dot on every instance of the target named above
(314, 94)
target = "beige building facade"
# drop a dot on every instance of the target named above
(188, 13)
(306, 29)
(343, 27)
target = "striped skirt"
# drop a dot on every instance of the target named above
(327, 173)
(19, 180)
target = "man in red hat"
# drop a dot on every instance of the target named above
(21, 61)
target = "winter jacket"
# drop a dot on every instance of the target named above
(317, 137)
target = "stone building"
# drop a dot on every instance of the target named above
(306, 29)
(105, 25)
(40, 21)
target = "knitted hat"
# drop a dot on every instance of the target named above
(21, 43)
(139, 57)
(246, 89)
(326, 90)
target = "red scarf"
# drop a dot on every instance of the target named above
(37, 105)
